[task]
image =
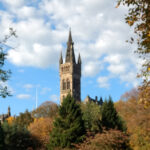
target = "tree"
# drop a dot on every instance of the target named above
(17, 137)
(4, 74)
(40, 128)
(47, 109)
(1, 138)
(137, 120)
(108, 140)
(68, 126)
(92, 116)
(24, 119)
(139, 17)
(110, 117)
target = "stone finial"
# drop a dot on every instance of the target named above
(61, 59)
(79, 59)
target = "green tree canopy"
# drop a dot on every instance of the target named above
(92, 116)
(17, 137)
(68, 126)
(110, 117)
(24, 119)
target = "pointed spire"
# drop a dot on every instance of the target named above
(70, 57)
(70, 37)
(61, 59)
(79, 59)
(9, 113)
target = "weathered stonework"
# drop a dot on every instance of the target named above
(70, 73)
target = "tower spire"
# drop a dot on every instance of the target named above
(70, 57)
(79, 59)
(70, 37)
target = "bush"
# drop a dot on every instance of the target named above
(108, 140)
(17, 138)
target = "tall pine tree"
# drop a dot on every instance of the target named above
(68, 126)
(110, 117)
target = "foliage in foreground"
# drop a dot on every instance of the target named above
(108, 140)
(92, 116)
(139, 18)
(24, 119)
(137, 119)
(110, 117)
(68, 126)
(17, 138)
(40, 128)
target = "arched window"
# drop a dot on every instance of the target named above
(63, 85)
(68, 84)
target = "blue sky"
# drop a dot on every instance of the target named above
(99, 32)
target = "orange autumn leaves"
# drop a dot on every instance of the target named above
(137, 118)
(40, 128)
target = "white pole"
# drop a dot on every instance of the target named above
(36, 98)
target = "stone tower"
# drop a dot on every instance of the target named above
(70, 73)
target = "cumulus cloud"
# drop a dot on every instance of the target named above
(103, 82)
(23, 96)
(99, 35)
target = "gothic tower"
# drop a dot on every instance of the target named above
(70, 73)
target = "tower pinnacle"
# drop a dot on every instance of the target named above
(70, 57)
(61, 59)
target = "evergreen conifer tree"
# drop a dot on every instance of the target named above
(110, 117)
(1, 138)
(68, 126)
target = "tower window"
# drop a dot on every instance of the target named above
(68, 84)
(63, 85)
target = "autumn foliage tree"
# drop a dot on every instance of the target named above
(139, 17)
(108, 140)
(137, 119)
(47, 109)
(41, 128)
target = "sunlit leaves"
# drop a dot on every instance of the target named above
(139, 17)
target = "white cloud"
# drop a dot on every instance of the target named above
(14, 3)
(45, 90)
(103, 82)
(54, 98)
(28, 86)
(23, 96)
(99, 34)
(91, 68)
